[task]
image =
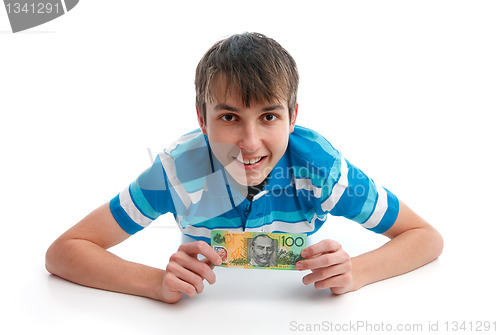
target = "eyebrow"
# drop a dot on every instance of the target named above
(273, 108)
(226, 107)
(223, 106)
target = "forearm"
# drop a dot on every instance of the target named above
(406, 252)
(88, 264)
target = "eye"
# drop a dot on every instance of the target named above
(228, 117)
(270, 117)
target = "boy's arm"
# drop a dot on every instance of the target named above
(80, 256)
(414, 242)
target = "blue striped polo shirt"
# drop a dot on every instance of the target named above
(311, 180)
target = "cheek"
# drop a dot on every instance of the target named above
(278, 143)
(222, 135)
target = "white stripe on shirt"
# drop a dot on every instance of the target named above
(132, 211)
(338, 188)
(306, 184)
(186, 197)
(379, 211)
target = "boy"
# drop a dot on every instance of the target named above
(248, 168)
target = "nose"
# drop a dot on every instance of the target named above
(250, 138)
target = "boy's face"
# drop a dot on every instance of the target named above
(248, 141)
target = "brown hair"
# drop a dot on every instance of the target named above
(254, 66)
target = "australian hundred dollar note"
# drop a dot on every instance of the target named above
(251, 250)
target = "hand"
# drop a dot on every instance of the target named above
(330, 265)
(185, 272)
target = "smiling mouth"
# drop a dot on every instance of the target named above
(250, 161)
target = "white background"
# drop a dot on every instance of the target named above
(406, 90)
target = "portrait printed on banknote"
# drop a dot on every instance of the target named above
(262, 251)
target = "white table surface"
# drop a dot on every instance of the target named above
(460, 286)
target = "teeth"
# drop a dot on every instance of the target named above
(249, 161)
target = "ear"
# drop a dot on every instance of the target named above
(201, 122)
(294, 118)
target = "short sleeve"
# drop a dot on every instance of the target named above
(355, 196)
(144, 200)
(327, 183)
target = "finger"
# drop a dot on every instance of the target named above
(201, 248)
(322, 261)
(325, 273)
(174, 284)
(194, 265)
(338, 284)
(186, 276)
(324, 246)
(208, 262)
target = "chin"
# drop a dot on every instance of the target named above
(254, 181)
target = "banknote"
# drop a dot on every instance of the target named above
(251, 250)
